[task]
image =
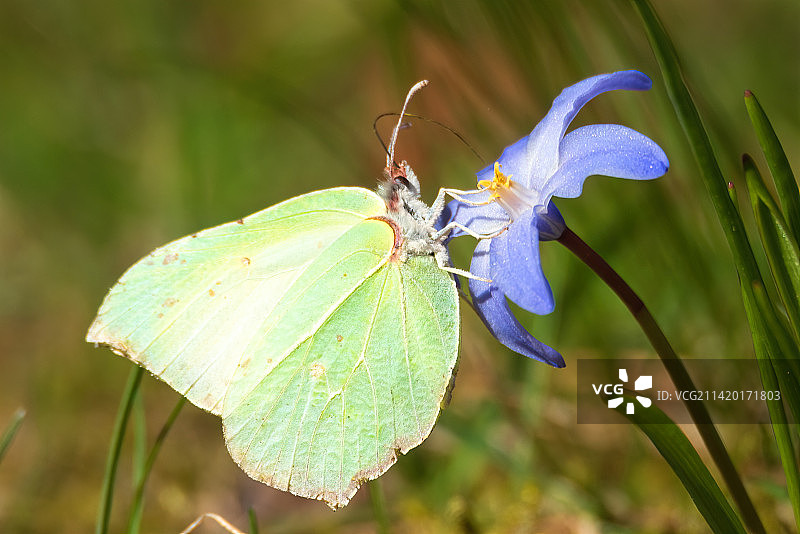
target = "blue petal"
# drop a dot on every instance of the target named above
(515, 267)
(492, 308)
(549, 222)
(484, 219)
(534, 164)
(606, 149)
(513, 161)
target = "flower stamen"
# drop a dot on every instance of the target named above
(513, 197)
(499, 181)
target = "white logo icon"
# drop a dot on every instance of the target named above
(642, 383)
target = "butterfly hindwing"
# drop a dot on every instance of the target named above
(364, 386)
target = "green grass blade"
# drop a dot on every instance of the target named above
(378, 500)
(135, 517)
(784, 352)
(784, 260)
(11, 431)
(253, 520)
(781, 250)
(734, 198)
(699, 142)
(681, 456)
(768, 352)
(112, 462)
(139, 425)
(785, 182)
(717, 187)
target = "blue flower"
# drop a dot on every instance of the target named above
(513, 203)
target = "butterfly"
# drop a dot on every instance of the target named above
(323, 330)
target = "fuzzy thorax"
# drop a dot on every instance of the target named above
(414, 218)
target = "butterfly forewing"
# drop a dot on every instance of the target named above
(188, 311)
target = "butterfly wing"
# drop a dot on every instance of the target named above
(339, 403)
(189, 310)
(324, 355)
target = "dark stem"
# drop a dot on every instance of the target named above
(673, 364)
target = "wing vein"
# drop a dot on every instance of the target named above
(323, 317)
(362, 359)
(404, 310)
(288, 423)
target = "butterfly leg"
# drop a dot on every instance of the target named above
(443, 260)
(454, 225)
(438, 203)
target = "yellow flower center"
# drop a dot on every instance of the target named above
(514, 198)
(499, 182)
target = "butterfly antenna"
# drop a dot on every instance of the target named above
(377, 133)
(437, 123)
(393, 140)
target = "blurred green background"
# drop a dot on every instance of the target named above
(127, 124)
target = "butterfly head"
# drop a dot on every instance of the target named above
(399, 187)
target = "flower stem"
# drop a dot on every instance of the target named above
(674, 366)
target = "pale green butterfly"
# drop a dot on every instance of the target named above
(323, 330)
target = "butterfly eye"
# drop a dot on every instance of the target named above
(404, 181)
